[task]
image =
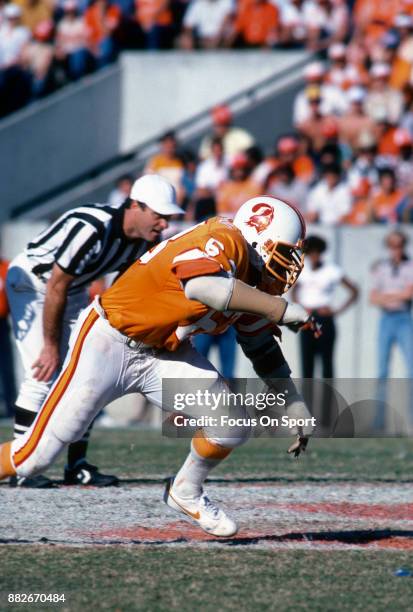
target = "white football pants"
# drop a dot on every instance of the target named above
(26, 295)
(102, 365)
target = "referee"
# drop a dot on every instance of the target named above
(47, 288)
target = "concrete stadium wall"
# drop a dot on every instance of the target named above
(59, 139)
(157, 95)
(355, 250)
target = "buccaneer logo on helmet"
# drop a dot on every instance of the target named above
(275, 230)
(264, 214)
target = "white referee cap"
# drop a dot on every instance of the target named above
(157, 193)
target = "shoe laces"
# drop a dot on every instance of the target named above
(209, 506)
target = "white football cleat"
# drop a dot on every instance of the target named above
(207, 515)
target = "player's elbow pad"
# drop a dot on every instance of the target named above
(213, 291)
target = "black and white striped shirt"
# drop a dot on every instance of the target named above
(86, 242)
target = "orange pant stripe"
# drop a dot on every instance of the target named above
(207, 449)
(63, 382)
(6, 466)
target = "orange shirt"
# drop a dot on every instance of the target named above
(148, 302)
(375, 16)
(4, 305)
(360, 214)
(100, 24)
(387, 146)
(153, 12)
(256, 22)
(384, 206)
(304, 168)
(232, 194)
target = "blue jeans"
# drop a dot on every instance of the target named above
(226, 344)
(395, 328)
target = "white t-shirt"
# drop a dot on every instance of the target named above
(333, 102)
(12, 41)
(210, 174)
(330, 204)
(207, 16)
(315, 288)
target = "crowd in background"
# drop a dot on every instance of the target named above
(47, 43)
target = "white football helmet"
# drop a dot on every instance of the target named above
(275, 230)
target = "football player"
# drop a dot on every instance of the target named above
(138, 333)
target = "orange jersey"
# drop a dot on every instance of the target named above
(148, 302)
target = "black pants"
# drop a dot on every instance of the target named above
(8, 384)
(322, 348)
(319, 395)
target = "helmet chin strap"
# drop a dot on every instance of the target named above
(255, 259)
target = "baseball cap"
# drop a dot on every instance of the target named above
(239, 160)
(12, 11)
(315, 70)
(313, 92)
(380, 70)
(221, 114)
(287, 144)
(337, 51)
(157, 193)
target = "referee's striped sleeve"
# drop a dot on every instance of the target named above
(79, 245)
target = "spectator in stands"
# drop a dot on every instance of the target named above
(406, 121)
(7, 375)
(15, 81)
(360, 213)
(330, 199)
(239, 188)
(37, 58)
(155, 17)
(102, 18)
(167, 162)
(392, 292)
(404, 162)
(332, 100)
(212, 171)
(256, 24)
(294, 29)
(365, 162)
(314, 126)
(205, 23)
(234, 139)
(35, 12)
(389, 202)
(341, 73)
(121, 192)
(385, 131)
(381, 95)
(402, 59)
(72, 42)
(283, 184)
(355, 121)
(327, 22)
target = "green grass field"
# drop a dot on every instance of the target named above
(205, 577)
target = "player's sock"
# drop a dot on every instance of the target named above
(204, 456)
(23, 420)
(6, 465)
(77, 451)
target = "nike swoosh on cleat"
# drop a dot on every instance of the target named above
(194, 515)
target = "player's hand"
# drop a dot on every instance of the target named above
(295, 316)
(298, 446)
(47, 363)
